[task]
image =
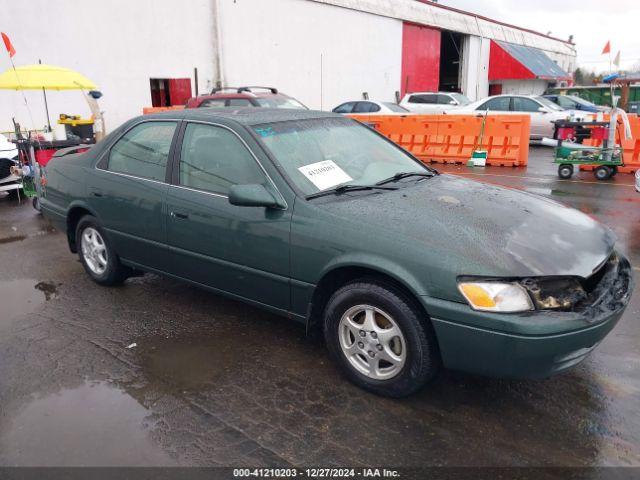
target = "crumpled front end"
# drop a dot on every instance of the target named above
(563, 330)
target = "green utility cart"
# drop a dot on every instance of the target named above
(606, 158)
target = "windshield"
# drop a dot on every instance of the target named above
(323, 153)
(280, 102)
(394, 108)
(549, 104)
(462, 99)
(582, 101)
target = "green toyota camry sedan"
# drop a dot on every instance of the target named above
(319, 218)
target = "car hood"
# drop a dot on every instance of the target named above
(480, 229)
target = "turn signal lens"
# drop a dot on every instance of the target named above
(496, 297)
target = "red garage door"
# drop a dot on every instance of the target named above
(420, 58)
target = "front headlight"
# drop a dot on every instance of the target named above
(496, 296)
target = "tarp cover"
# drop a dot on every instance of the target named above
(534, 60)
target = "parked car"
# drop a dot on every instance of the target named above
(8, 158)
(368, 107)
(543, 111)
(572, 102)
(319, 218)
(638, 181)
(433, 102)
(234, 97)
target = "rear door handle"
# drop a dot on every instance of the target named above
(179, 215)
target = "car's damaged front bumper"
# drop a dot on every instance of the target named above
(534, 344)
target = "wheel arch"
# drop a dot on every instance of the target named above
(334, 278)
(74, 214)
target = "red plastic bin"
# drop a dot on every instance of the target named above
(599, 133)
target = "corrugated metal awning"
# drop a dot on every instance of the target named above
(533, 60)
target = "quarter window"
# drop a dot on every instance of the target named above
(143, 151)
(344, 108)
(213, 159)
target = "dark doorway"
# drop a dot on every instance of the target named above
(450, 57)
(166, 92)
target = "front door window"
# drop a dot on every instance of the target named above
(214, 158)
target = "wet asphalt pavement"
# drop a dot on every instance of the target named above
(211, 381)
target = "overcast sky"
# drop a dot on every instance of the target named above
(591, 22)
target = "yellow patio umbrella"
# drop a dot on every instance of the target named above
(45, 77)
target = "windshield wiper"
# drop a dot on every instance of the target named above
(401, 175)
(347, 188)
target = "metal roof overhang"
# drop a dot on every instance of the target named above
(508, 61)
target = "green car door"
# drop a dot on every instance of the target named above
(128, 188)
(240, 250)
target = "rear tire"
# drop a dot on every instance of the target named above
(602, 173)
(380, 338)
(97, 255)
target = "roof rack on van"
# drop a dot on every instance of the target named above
(244, 89)
(221, 89)
(249, 89)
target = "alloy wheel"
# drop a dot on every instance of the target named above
(94, 250)
(372, 342)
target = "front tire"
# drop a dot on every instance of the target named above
(96, 253)
(380, 338)
(565, 171)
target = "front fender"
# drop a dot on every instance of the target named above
(417, 285)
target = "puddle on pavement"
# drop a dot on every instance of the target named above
(192, 363)
(95, 424)
(19, 297)
(548, 192)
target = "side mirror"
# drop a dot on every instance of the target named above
(543, 110)
(252, 195)
(453, 102)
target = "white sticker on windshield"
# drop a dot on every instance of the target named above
(325, 174)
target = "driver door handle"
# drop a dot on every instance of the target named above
(179, 215)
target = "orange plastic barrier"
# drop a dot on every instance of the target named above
(453, 138)
(148, 110)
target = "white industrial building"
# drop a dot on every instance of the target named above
(322, 52)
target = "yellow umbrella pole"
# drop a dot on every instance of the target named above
(46, 105)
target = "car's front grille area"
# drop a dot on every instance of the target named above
(606, 288)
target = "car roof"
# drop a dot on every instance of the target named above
(244, 116)
(429, 93)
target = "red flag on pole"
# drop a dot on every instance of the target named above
(8, 45)
(607, 48)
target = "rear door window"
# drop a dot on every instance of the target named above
(143, 151)
(500, 104)
(366, 107)
(239, 102)
(214, 102)
(213, 159)
(423, 98)
(444, 100)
